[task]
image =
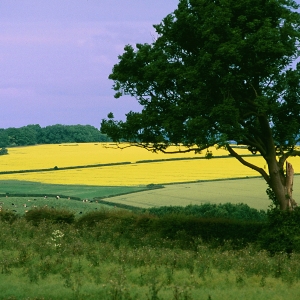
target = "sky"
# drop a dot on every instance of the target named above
(56, 56)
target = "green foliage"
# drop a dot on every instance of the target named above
(209, 80)
(3, 151)
(176, 226)
(230, 211)
(54, 134)
(40, 214)
(211, 230)
(103, 261)
(282, 232)
(275, 204)
(203, 82)
(7, 216)
(92, 218)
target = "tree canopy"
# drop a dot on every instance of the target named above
(54, 134)
(218, 70)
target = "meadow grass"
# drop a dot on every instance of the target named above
(109, 261)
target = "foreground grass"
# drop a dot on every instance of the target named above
(114, 260)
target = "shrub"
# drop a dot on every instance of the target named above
(3, 151)
(94, 217)
(8, 216)
(211, 230)
(225, 211)
(37, 215)
(282, 232)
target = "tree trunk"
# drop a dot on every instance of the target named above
(289, 186)
(282, 185)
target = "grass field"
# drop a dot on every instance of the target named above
(250, 191)
(21, 205)
(81, 191)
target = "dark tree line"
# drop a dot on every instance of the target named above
(54, 134)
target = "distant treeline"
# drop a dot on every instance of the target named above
(54, 134)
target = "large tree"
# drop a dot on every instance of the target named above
(218, 70)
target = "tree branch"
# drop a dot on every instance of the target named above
(161, 149)
(286, 155)
(247, 164)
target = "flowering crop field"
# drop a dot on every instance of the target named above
(65, 155)
(133, 174)
(144, 173)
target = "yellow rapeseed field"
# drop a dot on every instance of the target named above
(49, 156)
(64, 155)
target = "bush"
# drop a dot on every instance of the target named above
(8, 216)
(211, 230)
(225, 211)
(37, 215)
(3, 151)
(92, 218)
(282, 232)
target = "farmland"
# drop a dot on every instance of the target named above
(141, 167)
(64, 155)
(125, 254)
(94, 173)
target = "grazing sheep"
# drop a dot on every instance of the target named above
(57, 197)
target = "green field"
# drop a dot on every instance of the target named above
(21, 205)
(81, 191)
(250, 191)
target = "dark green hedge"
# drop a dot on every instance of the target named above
(40, 214)
(225, 211)
(174, 227)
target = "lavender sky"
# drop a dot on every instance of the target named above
(56, 55)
